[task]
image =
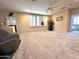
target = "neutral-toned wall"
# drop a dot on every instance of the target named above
(74, 11)
(3, 16)
(22, 22)
(61, 26)
(65, 24)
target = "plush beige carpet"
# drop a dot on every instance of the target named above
(48, 45)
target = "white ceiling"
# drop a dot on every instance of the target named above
(38, 6)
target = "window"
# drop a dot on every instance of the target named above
(32, 21)
(76, 20)
(35, 21)
(10, 21)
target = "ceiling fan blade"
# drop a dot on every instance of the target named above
(46, 11)
(51, 9)
(54, 7)
(63, 7)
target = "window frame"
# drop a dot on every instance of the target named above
(36, 19)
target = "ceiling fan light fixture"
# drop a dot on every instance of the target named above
(63, 7)
(33, 0)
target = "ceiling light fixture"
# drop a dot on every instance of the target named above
(33, 0)
(63, 7)
(51, 8)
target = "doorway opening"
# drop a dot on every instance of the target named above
(75, 22)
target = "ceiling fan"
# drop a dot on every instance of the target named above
(34, 0)
(50, 8)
